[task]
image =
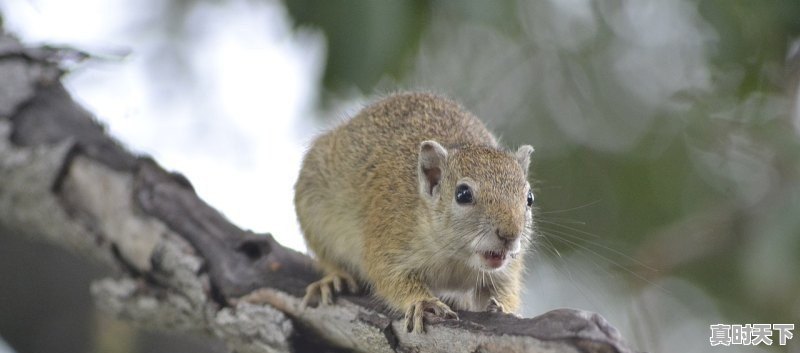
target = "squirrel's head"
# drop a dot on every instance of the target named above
(480, 199)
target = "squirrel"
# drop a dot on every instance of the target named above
(414, 199)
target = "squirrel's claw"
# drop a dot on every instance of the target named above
(427, 310)
(322, 291)
(494, 306)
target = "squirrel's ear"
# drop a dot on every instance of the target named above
(523, 156)
(432, 158)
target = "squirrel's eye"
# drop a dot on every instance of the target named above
(463, 194)
(530, 198)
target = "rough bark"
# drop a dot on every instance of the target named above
(182, 265)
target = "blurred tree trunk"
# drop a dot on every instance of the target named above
(179, 264)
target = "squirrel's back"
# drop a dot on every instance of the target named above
(389, 133)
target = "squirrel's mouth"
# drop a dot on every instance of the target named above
(495, 259)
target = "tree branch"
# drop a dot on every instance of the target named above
(181, 264)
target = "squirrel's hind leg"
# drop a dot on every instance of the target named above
(334, 282)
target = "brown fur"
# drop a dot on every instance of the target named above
(362, 212)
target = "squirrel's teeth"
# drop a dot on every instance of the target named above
(495, 254)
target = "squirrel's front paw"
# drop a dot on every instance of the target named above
(427, 310)
(494, 306)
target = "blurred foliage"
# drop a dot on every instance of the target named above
(366, 39)
(664, 127)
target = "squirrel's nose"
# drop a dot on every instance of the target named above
(506, 235)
